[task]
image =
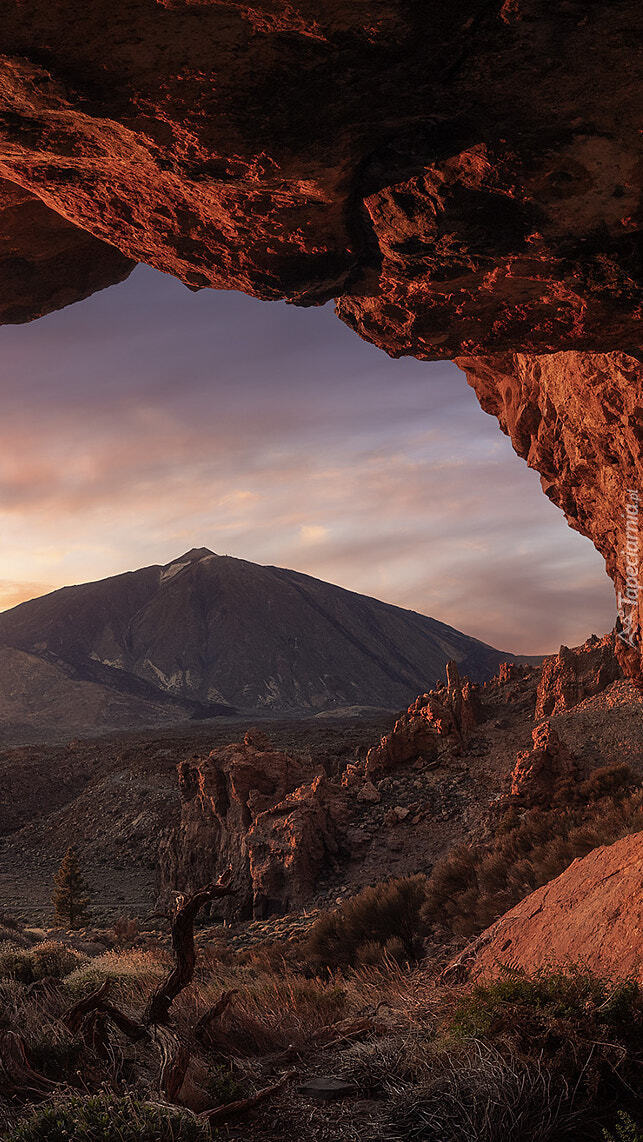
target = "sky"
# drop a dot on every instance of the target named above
(149, 419)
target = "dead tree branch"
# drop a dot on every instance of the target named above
(158, 1008)
(17, 1076)
(230, 1109)
(205, 1030)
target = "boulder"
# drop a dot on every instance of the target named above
(572, 675)
(260, 812)
(591, 914)
(538, 769)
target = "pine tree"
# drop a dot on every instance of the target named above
(71, 894)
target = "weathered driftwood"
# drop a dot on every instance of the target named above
(74, 1017)
(17, 1076)
(206, 1028)
(158, 1008)
(334, 1033)
(175, 1060)
(91, 1016)
(231, 1109)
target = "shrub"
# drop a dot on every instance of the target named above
(71, 891)
(586, 1030)
(625, 1130)
(482, 1096)
(388, 911)
(475, 884)
(47, 959)
(575, 994)
(222, 1086)
(106, 1118)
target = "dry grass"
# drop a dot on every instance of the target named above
(426, 1075)
(475, 884)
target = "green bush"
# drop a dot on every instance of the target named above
(625, 1130)
(571, 995)
(46, 959)
(106, 1118)
(388, 914)
(585, 1031)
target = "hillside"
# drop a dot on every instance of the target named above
(209, 634)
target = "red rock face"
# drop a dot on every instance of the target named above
(460, 177)
(249, 807)
(572, 675)
(577, 418)
(537, 769)
(450, 713)
(45, 261)
(595, 905)
(452, 173)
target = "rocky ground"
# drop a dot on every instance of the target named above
(114, 795)
(334, 819)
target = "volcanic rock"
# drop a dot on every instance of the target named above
(593, 911)
(45, 261)
(259, 812)
(449, 173)
(572, 675)
(460, 177)
(289, 844)
(368, 794)
(537, 770)
(411, 739)
(508, 672)
(577, 418)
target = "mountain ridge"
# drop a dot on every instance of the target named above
(213, 634)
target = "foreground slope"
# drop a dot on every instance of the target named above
(592, 912)
(216, 631)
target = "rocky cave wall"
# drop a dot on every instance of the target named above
(461, 178)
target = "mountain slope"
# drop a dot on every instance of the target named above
(208, 629)
(39, 698)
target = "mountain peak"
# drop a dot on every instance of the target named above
(192, 556)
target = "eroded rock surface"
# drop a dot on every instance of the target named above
(460, 177)
(572, 675)
(577, 418)
(259, 811)
(448, 171)
(596, 906)
(449, 712)
(45, 261)
(538, 769)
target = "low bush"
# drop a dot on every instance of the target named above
(625, 1129)
(387, 916)
(575, 994)
(47, 959)
(585, 1030)
(481, 1096)
(475, 884)
(106, 1118)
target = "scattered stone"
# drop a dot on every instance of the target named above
(326, 1089)
(368, 794)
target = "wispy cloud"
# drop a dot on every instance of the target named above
(147, 420)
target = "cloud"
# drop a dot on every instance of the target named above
(313, 533)
(147, 420)
(12, 592)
